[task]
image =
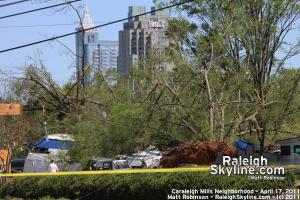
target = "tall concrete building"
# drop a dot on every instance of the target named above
(98, 54)
(139, 36)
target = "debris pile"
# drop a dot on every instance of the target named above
(198, 153)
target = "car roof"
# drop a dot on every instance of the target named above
(101, 159)
(120, 161)
(18, 160)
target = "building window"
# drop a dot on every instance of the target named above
(297, 149)
(285, 150)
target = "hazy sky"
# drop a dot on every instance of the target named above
(31, 27)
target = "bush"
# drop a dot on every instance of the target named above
(130, 186)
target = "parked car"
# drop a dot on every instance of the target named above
(51, 147)
(120, 164)
(99, 164)
(148, 158)
(17, 165)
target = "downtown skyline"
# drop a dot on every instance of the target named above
(40, 25)
(45, 24)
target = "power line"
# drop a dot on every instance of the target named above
(13, 3)
(38, 9)
(99, 26)
(20, 1)
(37, 25)
(44, 25)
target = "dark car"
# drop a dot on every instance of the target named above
(17, 165)
(100, 164)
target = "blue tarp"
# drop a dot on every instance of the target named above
(242, 144)
(53, 144)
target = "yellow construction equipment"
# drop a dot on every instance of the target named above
(5, 153)
(7, 109)
(5, 159)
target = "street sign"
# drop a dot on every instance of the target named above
(10, 109)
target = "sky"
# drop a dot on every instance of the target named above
(15, 31)
(54, 55)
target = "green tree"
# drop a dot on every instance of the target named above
(245, 36)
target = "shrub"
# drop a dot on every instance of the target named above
(129, 186)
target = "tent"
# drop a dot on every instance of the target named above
(243, 145)
(53, 144)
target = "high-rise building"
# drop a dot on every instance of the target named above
(108, 54)
(98, 54)
(87, 46)
(140, 35)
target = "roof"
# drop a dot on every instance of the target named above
(53, 144)
(87, 21)
(242, 144)
(293, 138)
(64, 137)
(102, 159)
(37, 156)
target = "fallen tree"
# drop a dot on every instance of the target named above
(199, 153)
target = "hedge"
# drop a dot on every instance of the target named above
(130, 186)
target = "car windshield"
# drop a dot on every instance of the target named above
(121, 165)
(106, 165)
(100, 163)
(17, 163)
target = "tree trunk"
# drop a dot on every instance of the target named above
(209, 92)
